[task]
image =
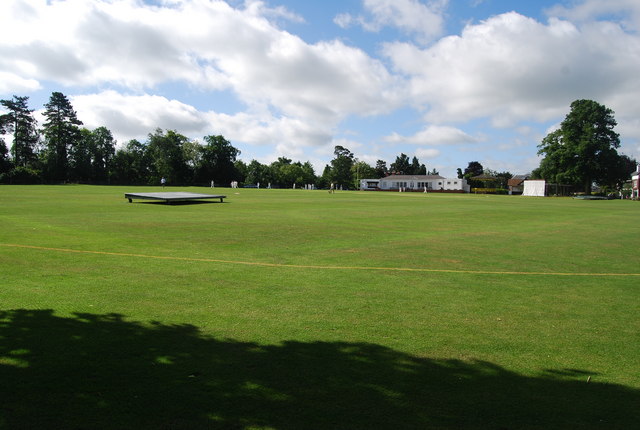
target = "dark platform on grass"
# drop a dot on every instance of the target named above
(172, 196)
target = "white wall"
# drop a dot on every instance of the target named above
(534, 188)
(448, 184)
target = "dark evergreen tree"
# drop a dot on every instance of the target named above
(61, 131)
(381, 169)
(401, 166)
(80, 158)
(5, 163)
(103, 149)
(416, 168)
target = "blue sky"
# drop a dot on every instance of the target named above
(447, 81)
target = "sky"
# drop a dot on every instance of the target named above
(447, 81)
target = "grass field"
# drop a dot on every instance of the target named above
(292, 309)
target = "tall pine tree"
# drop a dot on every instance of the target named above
(61, 131)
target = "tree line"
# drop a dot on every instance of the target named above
(63, 151)
(581, 153)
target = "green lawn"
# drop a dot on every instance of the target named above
(159, 323)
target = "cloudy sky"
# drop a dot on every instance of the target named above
(450, 81)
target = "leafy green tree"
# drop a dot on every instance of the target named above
(217, 162)
(192, 153)
(286, 173)
(325, 180)
(501, 177)
(20, 122)
(258, 173)
(61, 132)
(474, 168)
(291, 174)
(341, 174)
(308, 173)
(620, 173)
(90, 159)
(241, 171)
(167, 157)
(362, 170)
(131, 164)
(280, 173)
(584, 149)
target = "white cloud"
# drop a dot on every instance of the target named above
(133, 117)
(627, 11)
(343, 20)
(204, 43)
(434, 135)
(11, 83)
(425, 21)
(511, 68)
(269, 130)
(295, 95)
(295, 92)
(427, 153)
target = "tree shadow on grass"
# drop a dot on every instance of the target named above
(92, 371)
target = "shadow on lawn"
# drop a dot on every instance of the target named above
(101, 371)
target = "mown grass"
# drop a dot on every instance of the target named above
(122, 341)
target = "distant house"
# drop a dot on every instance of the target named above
(516, 184)
(635, 184)
(423, 183)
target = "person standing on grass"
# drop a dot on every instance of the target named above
(163, 181)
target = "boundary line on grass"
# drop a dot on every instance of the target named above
(311, 266)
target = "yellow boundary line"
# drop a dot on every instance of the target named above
(309, 266)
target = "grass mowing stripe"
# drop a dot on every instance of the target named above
(308, 266)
